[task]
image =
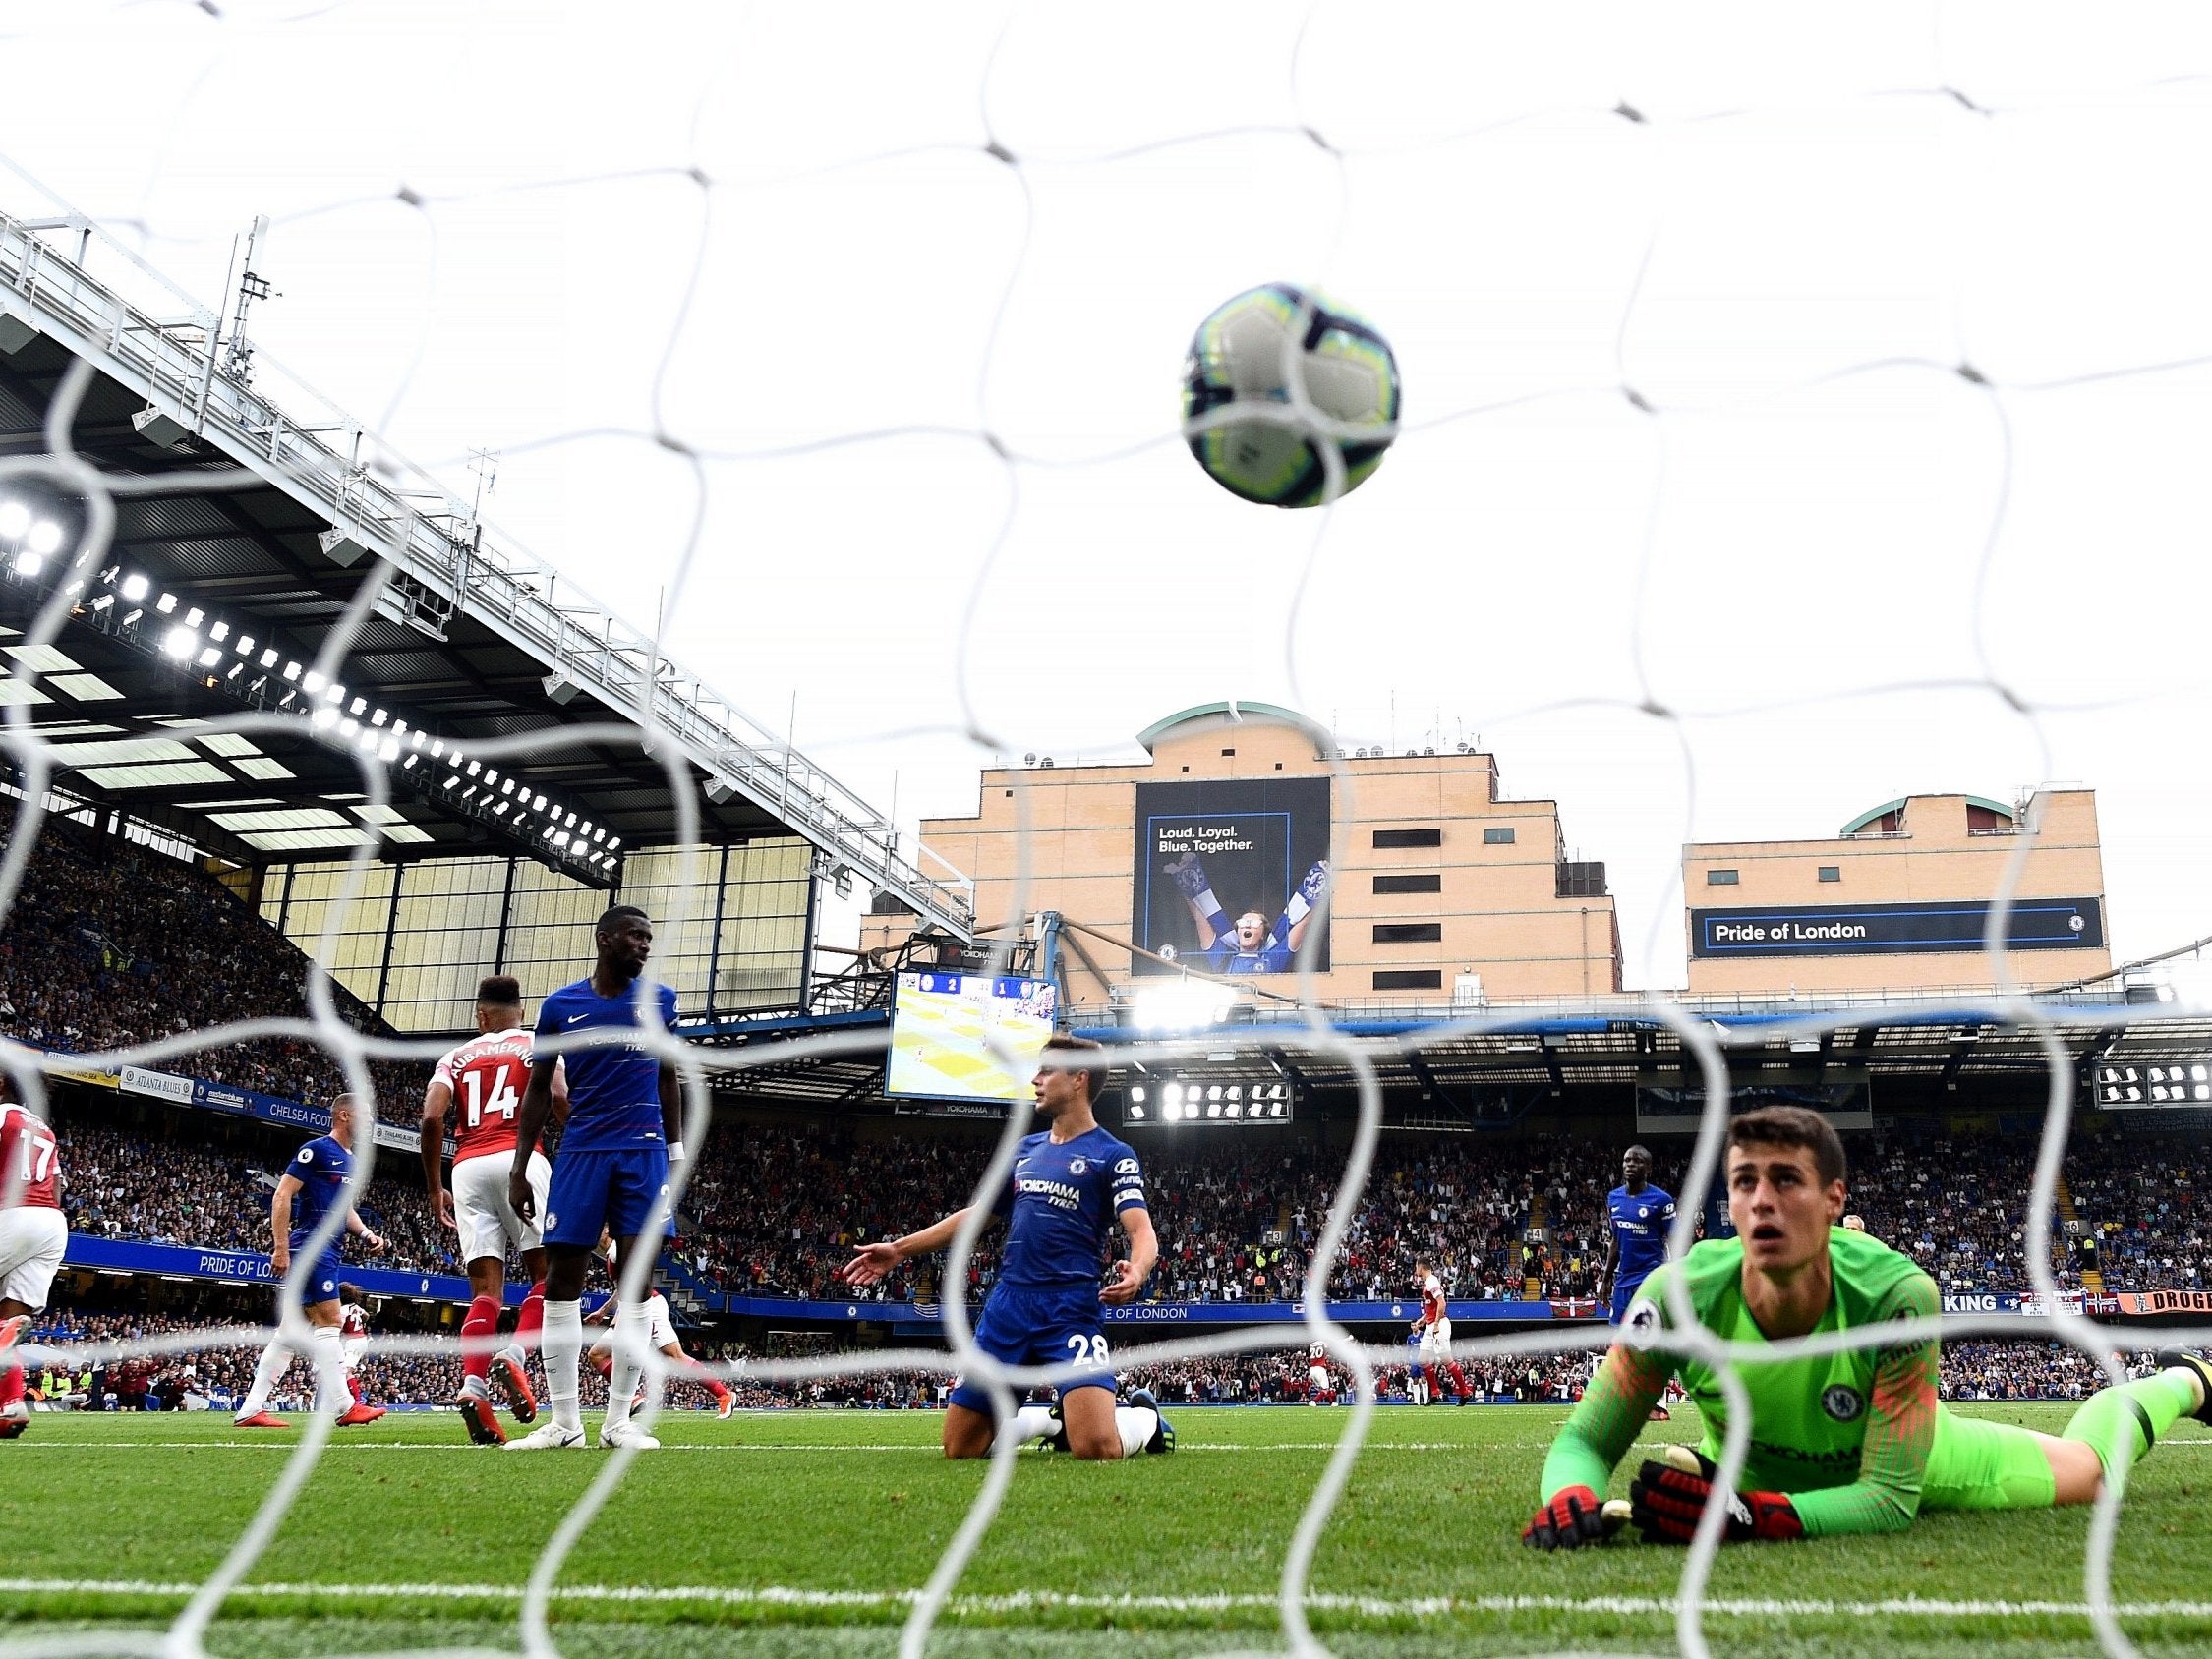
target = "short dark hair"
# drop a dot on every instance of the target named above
(1792, 1126)
(351, 1292)
(1095, 1076)
(499, 991)
(615, 915)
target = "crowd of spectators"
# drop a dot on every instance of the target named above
(774, 1211)
(111, 944)
(117, 1184)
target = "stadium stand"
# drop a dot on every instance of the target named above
(113, 943)
(774, 1211)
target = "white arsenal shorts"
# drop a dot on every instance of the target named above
(488, 1222)
(1438, 1337)
(33, 1237)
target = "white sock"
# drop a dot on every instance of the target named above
(512, 1354)
(633, 1329)
(1136, 1424)
(560, 1343)
(275, 1360)
(332, 1394)
(1034, 1422)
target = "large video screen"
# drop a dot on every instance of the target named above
(942, 1027)
(1230, 876)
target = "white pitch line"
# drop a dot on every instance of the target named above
(1424, 1607)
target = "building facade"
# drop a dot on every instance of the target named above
(1897, 901)
(1211, 857)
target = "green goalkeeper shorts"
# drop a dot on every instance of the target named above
(1978, 1465)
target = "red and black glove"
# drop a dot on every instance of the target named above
(1575, 1516)
(1666, 1499)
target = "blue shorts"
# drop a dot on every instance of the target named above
(323, 1279)
(615, 1191)
(1041, 1325)
(1623, 1294)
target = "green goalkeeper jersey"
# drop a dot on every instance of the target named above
(1848, 1435)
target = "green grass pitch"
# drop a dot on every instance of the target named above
(800, 1532)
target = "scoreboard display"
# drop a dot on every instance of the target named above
(968, 1037)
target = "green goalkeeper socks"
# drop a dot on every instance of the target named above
(2122, 1423)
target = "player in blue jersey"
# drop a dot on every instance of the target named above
(1249, 945)
(1637, 1216)
(1069, 1184)
(313, 1184)
(625, 1120)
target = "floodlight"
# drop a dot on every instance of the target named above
(324, 719)
(333, 693)
(135, 587)
(219, 632)
(244, 645)
(389, 750)
(347, 727)
(45, 535)
(210, 657)
(359, 704)
(194, 616)
(1136, 1092)
(166, 603)
(614, 843)
(15, 519)
(311, 683)
(179, 643)
(28, 563)
(103, 602)
(408, 762)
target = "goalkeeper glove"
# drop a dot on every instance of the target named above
(1572, 1518)
(1188, 874)
(1666, 1499)
(1316, 882)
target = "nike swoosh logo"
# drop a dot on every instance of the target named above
(573, 1018)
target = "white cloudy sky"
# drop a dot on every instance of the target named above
(1791, 548)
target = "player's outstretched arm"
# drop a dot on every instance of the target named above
(872, 1262)
(438, 1100)
(1592, 1440)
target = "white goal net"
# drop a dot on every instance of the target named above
(1799, 407)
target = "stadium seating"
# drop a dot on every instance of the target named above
(111, 942)
(774, 1211)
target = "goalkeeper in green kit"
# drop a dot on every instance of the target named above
(1842, 1443)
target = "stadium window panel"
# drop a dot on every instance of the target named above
(1832, 873)
(1719, 878)
(1422, 883)
(1428, 837)
(1409, 933)
(1499, 835)
(1409, 978)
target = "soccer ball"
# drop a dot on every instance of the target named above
(1245, 354)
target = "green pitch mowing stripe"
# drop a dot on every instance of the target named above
(815, 1520)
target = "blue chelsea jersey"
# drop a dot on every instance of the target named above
(1064, 1200)
(613, 1088)
(320, 1168)
(1640, 1221)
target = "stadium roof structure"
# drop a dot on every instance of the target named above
(1487, 1067)
(470, 637)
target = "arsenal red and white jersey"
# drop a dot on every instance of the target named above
(1432, 1302)
(487, 1075)
(29, 1160)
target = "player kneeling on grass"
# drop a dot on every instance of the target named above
(1842, 1443)
(1069, 1184)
